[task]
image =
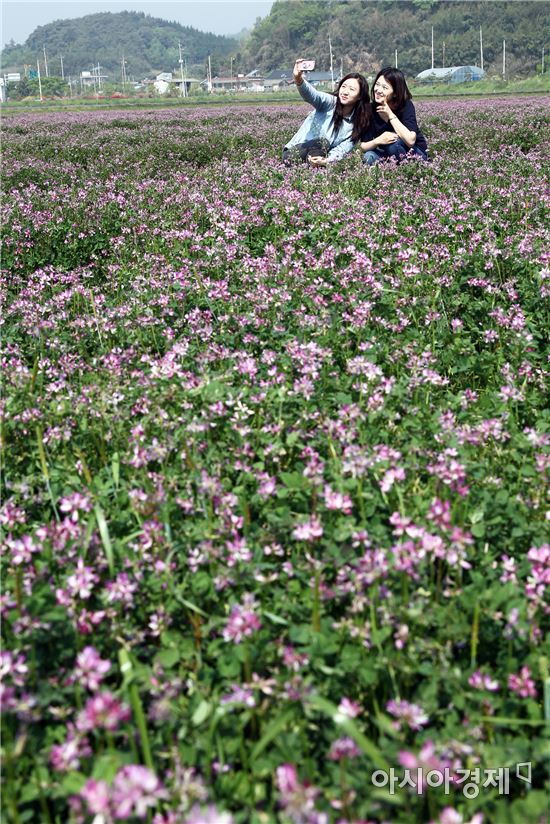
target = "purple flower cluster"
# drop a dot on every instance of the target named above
(274, 506)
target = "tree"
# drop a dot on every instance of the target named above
(17, 91)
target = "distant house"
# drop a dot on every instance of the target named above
(161, 86)
(165, 81)
(221, 84)
(322, 78)
(278, 79)
(93, 78)
(454, 74)
(252, 82)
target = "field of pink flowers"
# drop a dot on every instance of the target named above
(275, 459)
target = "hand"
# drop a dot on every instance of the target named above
(386, 137)
(317, 160)
(384, 111)
(297, 71)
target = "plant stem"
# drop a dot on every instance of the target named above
(316, 607)
(475, 636)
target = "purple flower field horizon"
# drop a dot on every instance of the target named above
(275, 457)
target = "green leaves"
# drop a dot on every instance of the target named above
(349, 726)
(240, 350)
(105, 538)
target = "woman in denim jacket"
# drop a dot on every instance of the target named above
(331, 131)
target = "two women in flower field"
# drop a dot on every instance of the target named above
(385, 127)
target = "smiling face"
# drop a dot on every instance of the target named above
(349, 92)
(383, 90)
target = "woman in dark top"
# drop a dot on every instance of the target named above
(393, 130)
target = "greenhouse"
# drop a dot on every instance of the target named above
(453, 74)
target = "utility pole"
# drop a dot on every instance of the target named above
(331, 64)
(396, 58)
(542, 62)
(443, 66)
(231, 72)
(504, 59)
(432, 47)
(39, 80)
(183, 85)
(481, 47)
(62, 71)
(45, 62)
(209, 74)
(123, 76)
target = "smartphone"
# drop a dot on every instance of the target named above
(308, 65)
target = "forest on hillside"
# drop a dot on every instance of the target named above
(365, 35)
(147, 44)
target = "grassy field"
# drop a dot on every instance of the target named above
(275, 454)
(487, 88)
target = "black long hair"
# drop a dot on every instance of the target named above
(361, 113)
(401, 94)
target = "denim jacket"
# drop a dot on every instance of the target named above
(318, 124)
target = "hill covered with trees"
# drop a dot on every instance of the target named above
(147, 43)
(366, 34)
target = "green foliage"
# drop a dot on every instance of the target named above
(51, 87)
(365, 36)
(148, 44)
(203, 349)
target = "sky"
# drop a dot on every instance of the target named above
(20, 18)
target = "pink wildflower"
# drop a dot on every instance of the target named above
(103, 710)
(73, 504)
(413, 715)
(67, 756)
(243, 621)
(81, 582)
(308, 531)
(522, 683)
(337, 500)
(451, 816)
(343, 748)
(90, 668)
(349, 709)
(208, 815)
(425, 761)
(96, 796)
(481, 681)
(297, 799)
(135, 790)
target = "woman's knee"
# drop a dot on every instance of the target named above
(397, 148)
(370, 158)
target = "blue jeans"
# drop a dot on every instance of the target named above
(300, 151)
(399, 150)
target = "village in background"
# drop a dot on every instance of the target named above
(435, 44)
